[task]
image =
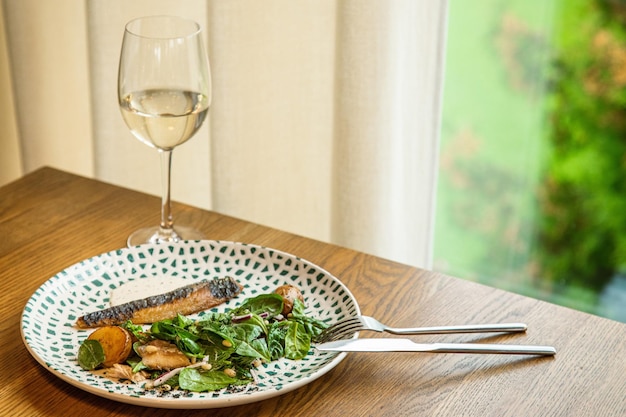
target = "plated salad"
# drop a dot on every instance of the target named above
(212, 352)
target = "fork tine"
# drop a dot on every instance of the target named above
(340, 330)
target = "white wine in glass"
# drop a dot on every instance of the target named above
(164, 92)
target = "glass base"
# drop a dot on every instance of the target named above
(156, 234)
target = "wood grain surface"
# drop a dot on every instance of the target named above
(50, 220)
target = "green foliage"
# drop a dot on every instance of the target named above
(583, 194)
(255, 330)
(90, 354)
(531, 193)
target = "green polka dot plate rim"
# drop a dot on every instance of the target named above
(47, 322)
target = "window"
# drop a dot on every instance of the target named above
(532, 180)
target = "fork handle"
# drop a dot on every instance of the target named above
(466, 328)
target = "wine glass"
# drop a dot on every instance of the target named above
(164, 93)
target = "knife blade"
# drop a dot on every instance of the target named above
(406, 345)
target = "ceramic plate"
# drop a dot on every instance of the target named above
(49, 315)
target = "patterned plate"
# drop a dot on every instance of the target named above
(49, 315)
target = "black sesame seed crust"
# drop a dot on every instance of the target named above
(224, 287)
(221, 288)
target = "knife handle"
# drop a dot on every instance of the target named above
(491, 348)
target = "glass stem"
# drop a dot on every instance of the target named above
(167, 221)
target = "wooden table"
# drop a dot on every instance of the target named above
(50, 220)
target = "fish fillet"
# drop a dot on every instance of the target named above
(185, 300)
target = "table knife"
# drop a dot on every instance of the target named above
(406, 345)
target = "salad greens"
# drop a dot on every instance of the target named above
(225, 347)
(90, 354)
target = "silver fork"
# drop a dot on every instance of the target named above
(347, 328)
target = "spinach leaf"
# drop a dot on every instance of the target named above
(297, 341)
(215, 331)
(135, 362)
(90, 354)
(188, 344)
(193, 380)
(298, 308)
(312, 326)
(276, 339)
(254, 320)
(170, 330)
(264, 303)
(236, 340)
(248, 331)
(256, 348)
(179, 330)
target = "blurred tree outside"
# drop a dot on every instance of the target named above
(532, 185)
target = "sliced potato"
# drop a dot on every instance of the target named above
(116, 343)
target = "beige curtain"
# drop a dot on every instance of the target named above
(10, 156)
(324, 120)
(48, 51)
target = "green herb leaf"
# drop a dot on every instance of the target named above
(256, 348)
(248, 331)
(90, 354)
(193, 380)
(297, 341)
(259, 332)
(255, 321)
(137, 331)
(276, 339)
(264, 303)
(312, 326)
